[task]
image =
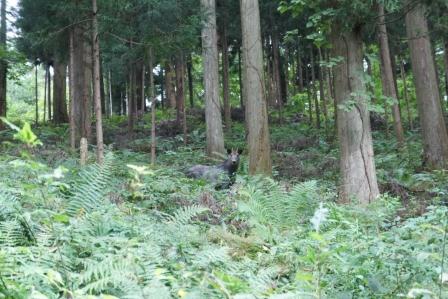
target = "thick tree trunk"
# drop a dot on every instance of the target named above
(59, 92)
(358, 175)
(225, 81)
(213, 121)
(313, 82)
(180, 95)
(435, 138)
(87, 88)
(97, 85)
(256, 113)
(190, 80)
(387, 77)
(169, 86)
(3, 64)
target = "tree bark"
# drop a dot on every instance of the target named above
(387, 77)
(131, 98)
(313, 82)
(169, 86)
(276, 73)
(152, 98)
(405, 95)
(72, 86)
(240, 78)
(225, 81)
(309, 97)
(49, 93)
(322, 88)
(190, 80)
(256, 112)
(97, 85)
(358, 174)
(299, 67)
(180, 94)
(59, 92)
(3, 63)
(445, 60)
(435, 138)
(213, 121)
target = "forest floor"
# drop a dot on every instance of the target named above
(130, 230)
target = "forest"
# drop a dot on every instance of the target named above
(235, 149)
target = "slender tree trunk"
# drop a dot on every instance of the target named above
(358, 174)
(97, 85)
(162, 89)
(50, 117)
(322, 88)
(111, 110)
(213, 121)
(152, 97)
(435, 138)
(71, 68)
(225, 81)
(102, 89)
(285, 76)
(405, 95)
(445, 59)
(276, 74)
(131, 99)
(313, 82)
(299, 67)
(3, 63)
(389, 88)
(143, 98)
(190, 80)
(59, 92)
(256, 112)
(47, 72)
(87, 88)
(308, 94)
(240, 78)
(37, 97)
(180, 95)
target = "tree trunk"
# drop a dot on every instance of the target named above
(308, 94)
(387, 77)
(3, 63)
(299, 67)
(102, 90)
(47, 72)
(72, 86)
(97, 85)
(405, 95)
(131, 99)
(213, 121)
(36, 90)
(445, 59)
(87, 88)
(358, 175)
(180, 95)
(169, 86)
(240, 78)
(313, 82)
(256, 113)
(50, 117)
(59, 92)
(190, 80)
(152, 98)
(322, 88)
(276, 73)
(435, 138)
(111, 110)
(225, 81)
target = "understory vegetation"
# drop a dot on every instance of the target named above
(128, 230)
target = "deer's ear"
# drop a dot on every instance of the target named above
(229, 151)
(240, 151)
